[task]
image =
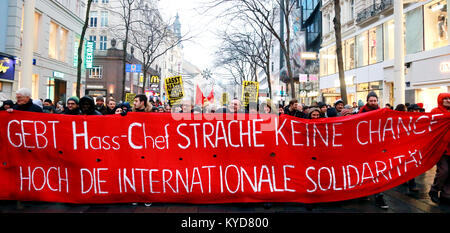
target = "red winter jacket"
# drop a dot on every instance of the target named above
(441, 109)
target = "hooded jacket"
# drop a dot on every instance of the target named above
(440, 108)
(92, 109)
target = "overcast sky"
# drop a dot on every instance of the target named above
(199, 51)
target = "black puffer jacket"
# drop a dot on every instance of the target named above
(91, 110)
(29, 107)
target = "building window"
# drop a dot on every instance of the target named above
(37, 21)
(323, 62)
(352, 9)
(35, 86)
(349, 48)
(52, 47)
(375, 45)
(93, 19)
(414, 32)
(104, 19)
(103, 42)
(96, 72)
(435, 24)
(93, 39)
(331, 57)
(62, 44)
(362, 49)
(389, 42)
(105, 1)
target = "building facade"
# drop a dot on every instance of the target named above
(106, 24)
(368, 51)
(312, 26)
(104, 79)
(57, 29)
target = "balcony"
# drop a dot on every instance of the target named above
(374, 10)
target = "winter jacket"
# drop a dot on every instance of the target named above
(366, 108)
(92, 110)
(441, 109)
(29, 107)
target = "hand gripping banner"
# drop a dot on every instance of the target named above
(214, 158)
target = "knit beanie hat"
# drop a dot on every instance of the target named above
(372, 94)
(75, 99)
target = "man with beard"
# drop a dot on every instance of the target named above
(372, 103)
(100, 105)
(73, 107)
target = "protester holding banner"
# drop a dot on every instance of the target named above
(314, 113)
(323, 109)
(100, 105)
(441, 181)
(24, 102)
(401, 107)
(111, 105)
(372, 104)
(141, 104)
(88, 107)
(339, 105)
(7, 104)
(292, 109)
(73, 107)
(59, 109)
(280, 109)
(167, 108)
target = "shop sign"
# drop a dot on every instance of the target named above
(89, 54)
(57, 74)
(133, 68)
(445, 67)
(7, 68)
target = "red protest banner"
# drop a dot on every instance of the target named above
(214, 158)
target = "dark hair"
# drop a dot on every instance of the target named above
(291, 102)
(372, 94)
(141, 98)
(48, 101)
(400, 107)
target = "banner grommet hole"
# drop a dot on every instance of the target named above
(60, 152)
(180, 159)
(215, 156)
(98, 160)
(314, 158)
(29, 150)
(272, 154)
(4, 163)
(384, 150)
(142, 157)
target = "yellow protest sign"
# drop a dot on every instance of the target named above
(174, 88)
(250, 90)
(129, 97)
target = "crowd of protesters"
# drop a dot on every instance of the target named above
(440, 189)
